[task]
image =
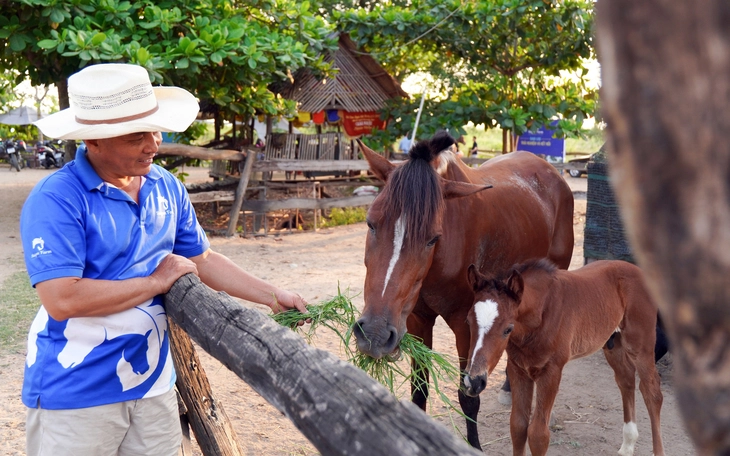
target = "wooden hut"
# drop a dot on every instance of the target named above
(348, 103)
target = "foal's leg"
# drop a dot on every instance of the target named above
(538, 434)
(519, 420)
(650, 387)
(625, 376)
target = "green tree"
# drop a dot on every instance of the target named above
(227, 53)
(497, 63)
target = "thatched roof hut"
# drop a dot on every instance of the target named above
(361, 84)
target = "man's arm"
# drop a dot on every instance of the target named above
(68, 297)
(221, 274)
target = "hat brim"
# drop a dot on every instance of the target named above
(177, 109)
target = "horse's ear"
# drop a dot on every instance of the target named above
(474, 278)
(456, 189)
(379, 165)
(516, 285)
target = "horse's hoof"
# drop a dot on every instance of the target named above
(504, 397)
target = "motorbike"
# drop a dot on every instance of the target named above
(49, 155)
(13, 149)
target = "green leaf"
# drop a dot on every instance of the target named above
(182, 64)
(98, 39)
(47, 44)
(142, 56)
(17, 43)
(57, 16)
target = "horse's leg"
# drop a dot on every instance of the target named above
(561, 245)
(469, 405)
(421, 327)
(519, 420)
(538, 434)
(661, 347)
(505, 392)
(625, 375)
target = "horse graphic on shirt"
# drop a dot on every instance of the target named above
(142, 328)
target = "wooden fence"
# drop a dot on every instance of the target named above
(338, 407)
(279, 156)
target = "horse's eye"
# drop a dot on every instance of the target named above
(371, 227)
(508, 330)
(433, 241)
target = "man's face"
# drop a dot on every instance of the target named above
(124, 156)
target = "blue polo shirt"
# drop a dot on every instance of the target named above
(73, 224)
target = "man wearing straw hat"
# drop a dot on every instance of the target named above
(104, 238)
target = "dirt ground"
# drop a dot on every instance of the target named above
(588, 408)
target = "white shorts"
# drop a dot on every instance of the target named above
(149, 426)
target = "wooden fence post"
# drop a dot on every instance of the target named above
(338, 407)
(212, 429)
(240, 193)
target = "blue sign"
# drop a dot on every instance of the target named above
(542, 142)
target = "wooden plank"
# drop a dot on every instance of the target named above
(211, 426)
(284, 204)
(211, 197)
(240, 193)
(203, 153)
(306, 203)
(311, 165)
(336, 406)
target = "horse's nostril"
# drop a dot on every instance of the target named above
(392, 339)
(474, 385)
(357, 329)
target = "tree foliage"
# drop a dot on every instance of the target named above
(497, 63)
(227, 53)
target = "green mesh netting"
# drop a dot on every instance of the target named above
(604, 236)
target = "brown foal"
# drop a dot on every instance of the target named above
(544, 317)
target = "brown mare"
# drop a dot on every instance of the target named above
(544, 317)
(431, 221)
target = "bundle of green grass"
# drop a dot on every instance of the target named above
(338, 314)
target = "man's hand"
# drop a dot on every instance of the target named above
(170, 269)
(285, 300)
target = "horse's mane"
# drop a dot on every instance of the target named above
(414, 191)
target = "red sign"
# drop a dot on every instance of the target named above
(361, 123)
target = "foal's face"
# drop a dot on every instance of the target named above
(491, 321)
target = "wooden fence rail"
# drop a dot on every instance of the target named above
(339, 408)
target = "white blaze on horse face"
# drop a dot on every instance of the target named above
(399, 233)
(486, 312)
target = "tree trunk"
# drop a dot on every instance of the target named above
(666, 85)
(334, 404)
(69, 147)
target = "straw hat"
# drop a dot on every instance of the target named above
(115, 99)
